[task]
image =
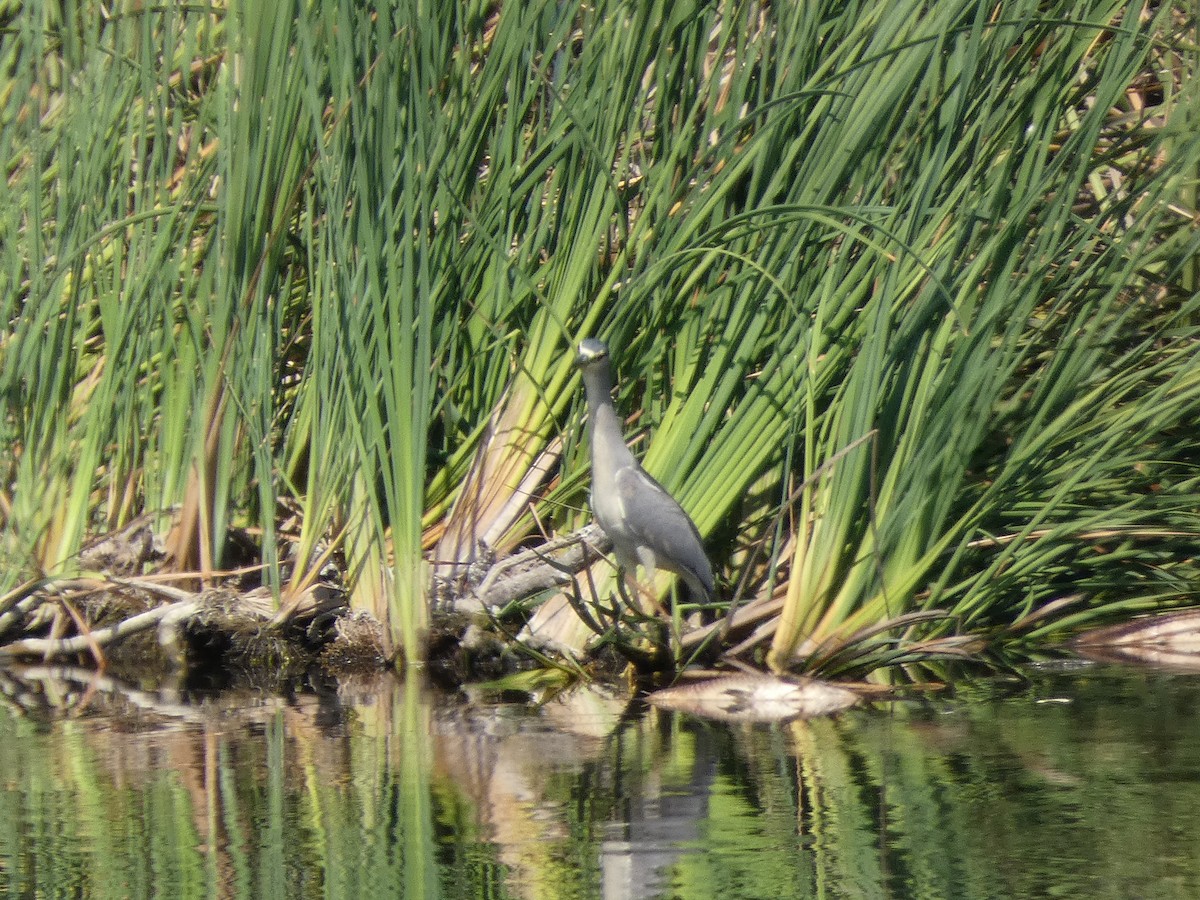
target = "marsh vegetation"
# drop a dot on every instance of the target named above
(902, 297)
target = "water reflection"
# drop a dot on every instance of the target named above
(1072, 783)
(662, 818)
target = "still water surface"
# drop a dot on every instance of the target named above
(1078, 781)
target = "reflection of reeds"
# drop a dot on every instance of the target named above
(505, 762)
(384, 790)
(168, 790)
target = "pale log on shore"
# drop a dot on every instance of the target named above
(52, 647)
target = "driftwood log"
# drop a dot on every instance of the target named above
(534, 570)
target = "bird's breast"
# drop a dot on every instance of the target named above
(609, 511)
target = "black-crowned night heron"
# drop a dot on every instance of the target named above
(642, 520)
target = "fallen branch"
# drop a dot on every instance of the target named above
(750, 614)
(537, 569)
(54, 647)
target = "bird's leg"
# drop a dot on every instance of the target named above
(624, 583)
(630, 590)
(648, 604)
(636, 595)
(626, 580)
(650, 566)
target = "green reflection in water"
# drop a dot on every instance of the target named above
(1076, 783)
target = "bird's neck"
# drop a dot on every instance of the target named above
(608, 443)
(599, 389)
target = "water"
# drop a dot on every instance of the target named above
(1074, 782)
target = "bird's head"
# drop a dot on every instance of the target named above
(592, 352)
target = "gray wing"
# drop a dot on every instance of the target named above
(658, 522)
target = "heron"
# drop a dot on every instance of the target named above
(646, 525)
